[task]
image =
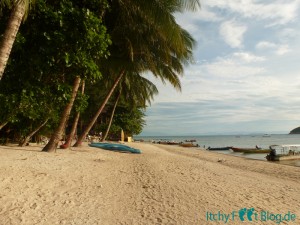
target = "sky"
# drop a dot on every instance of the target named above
(246, 74)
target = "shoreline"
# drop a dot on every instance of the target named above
(163, 185)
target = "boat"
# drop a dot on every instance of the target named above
(169, 142)
(250, 150)
(190, 140)
(188, 145)
(284, 152)
(218, 149)
(266, 135)
(115, 147)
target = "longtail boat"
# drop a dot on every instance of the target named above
(218, 149)
(250, 150)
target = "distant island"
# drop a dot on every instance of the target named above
(295, 131)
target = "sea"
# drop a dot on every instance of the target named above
(245, 141)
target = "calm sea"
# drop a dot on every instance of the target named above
(263, 141)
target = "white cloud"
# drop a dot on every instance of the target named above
(277, 12)
(278, 49)
(233, 33)
(282, 50)
(248, 57)
(230, 68)
(243, 81)
(265, 45)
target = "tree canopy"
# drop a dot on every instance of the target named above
(108, 44)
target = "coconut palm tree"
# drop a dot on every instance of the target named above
(136, 91)
(74, 125)
(144, 41)
(18, 11)
(57, 135)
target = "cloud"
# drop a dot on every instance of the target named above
(278, 12)
(246, 75)
(278, 49)
(283, 49)
(248, 57)
(265, 45)
(232, 33)
(235, 65)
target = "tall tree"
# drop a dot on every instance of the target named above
(74, 124)
(111, 116)
(60, 40)
(18, 11)
(99, 111)
(143, 41)
(136, 91)
(57, 135)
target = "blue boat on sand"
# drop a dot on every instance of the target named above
(115, 147)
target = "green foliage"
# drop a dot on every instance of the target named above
(60, 40)
(81, 102)
(63, 39)
(131, 120)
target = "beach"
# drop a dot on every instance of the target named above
(163, 185)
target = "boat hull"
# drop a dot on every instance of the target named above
(251, 150)
(188, 145)
(219, 149)
(115, 147)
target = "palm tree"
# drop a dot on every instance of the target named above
(112, 116)
(57, 135)
(99, 111)
(27, 138)
(143, 41)
(136, 91)
(19, 8)
(74, 125)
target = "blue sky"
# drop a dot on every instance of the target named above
(246, 75)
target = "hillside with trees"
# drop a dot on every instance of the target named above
(295, 131)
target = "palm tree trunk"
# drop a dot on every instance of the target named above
(72, 133)
(57, 135)
(10, 33)
(3, 125)
(111, 118)
(95, 117)
(27, 138)
(74, 125)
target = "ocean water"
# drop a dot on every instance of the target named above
(249, 141)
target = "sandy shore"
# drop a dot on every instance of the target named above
(163, 185)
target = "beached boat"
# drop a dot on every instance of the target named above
(169, 142)
(284, 152)
(250, 150)
(191, 140)
(219, 149)
(188, 145)
(115, 147)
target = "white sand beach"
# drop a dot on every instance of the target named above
(163, 185)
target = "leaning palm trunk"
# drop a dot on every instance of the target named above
(72, 133)
(74, 125)
(3, 125)
(10, 33)
(29, 136)
(94, 119)
(111, 118)
(57, 135)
